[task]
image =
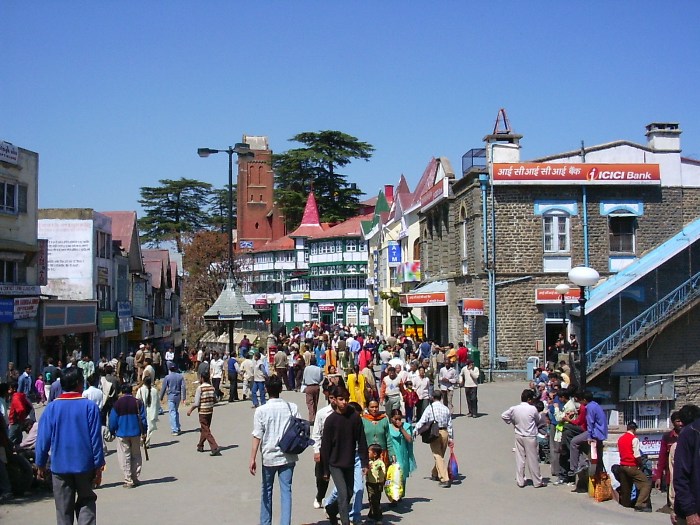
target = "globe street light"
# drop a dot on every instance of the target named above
(562, 290)
(583, 276)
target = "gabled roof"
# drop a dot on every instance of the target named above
(125, 231)
(155, 269)
(157, 263)
(382, 203)
(402, 187)
(311, 221)
(285, 243)
(350, 228)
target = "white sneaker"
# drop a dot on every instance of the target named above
(317, 505)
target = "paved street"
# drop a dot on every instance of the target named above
(183, 486)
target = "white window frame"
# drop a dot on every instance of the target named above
(633, 219)
(556, 219)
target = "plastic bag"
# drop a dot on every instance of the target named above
(452, 466)
(393, 486)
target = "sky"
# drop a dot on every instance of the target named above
(119, 95)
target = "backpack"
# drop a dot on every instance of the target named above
(297, 436)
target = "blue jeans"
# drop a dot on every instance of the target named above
(258, 393)
(285, 473)
(358, 491)
(173, 405)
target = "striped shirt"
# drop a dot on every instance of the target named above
(435, 412)
(205, 398)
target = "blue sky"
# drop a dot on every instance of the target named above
(117, 95)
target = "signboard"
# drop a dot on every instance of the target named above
(531, 173)
(70, 257)
(423, 299)
(472, 306)
(410, 272)
(394, 254)
(650, 444)
(123, 309)
(19, 289)
(550, 296)
(435, 194)
(107, 321)
(126, 324)
(245, 245)
(328, 307)
(261, 304)
(7, 310)
(26, 307)
(9, 153)
(42, 262)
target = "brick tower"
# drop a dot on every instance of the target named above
(259, 220)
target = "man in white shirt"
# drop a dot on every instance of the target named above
(216, 373)
(469, 379)
(447, 379)
(269, 423)
(247, 372)
(441, 415)
(525, 418)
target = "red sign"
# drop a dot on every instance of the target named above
(326, 307)
(566, 173)
(423, 299)
(435, 194)
(550, 296)
(472, 307)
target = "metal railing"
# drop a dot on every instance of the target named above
(641, 325)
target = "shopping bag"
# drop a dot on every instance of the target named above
(452, 466)
(602, 490)
(393, 486)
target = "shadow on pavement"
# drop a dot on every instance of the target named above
(166, 479)
(228, 447)
(163, 444)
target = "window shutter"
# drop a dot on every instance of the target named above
(22, 199)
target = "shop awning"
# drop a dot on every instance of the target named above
(412, 320)
(426, 295)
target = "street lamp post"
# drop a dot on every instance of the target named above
(583, 276)
(562, 290)
(242, 150)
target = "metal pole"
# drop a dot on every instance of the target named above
(230, 152)
(584, 339)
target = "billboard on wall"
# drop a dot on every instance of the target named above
(532, 173)
(394, 254)
(70, 258)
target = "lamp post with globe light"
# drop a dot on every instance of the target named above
(562, 290)
(583, 277)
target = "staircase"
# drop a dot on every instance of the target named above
(662, 286)
(643, 327)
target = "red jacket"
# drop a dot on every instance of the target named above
(20, 407)
(626, 450)
(668, 439)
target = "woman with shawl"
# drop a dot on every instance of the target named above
(376, 426)
(356, 387)
(401, 445)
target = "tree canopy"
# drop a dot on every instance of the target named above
(315, 166)
(177, 208)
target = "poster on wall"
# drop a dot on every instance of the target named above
(70, 257)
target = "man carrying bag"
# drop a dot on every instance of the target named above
(437, 415)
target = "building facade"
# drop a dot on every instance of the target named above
(22, 257)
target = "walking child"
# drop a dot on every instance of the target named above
(376, 475)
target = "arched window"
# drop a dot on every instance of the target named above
(416, 250)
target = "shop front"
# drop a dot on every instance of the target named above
(433, 297)
(18, 330)
(68, 329)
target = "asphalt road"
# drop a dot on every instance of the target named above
(181, 485)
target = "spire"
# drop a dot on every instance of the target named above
(311, 217)
(311, 221)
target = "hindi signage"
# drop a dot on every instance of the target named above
(9, 152)
(550, 296)
(530, 173)
(472, 306)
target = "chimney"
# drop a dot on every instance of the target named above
(664, 136)
(504, 146)
(389, 192)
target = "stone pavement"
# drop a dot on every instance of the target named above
(182, 486)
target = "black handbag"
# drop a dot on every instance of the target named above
(432, 432)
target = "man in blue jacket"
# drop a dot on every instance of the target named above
(127, 421)
(71, 428)
(686, 469)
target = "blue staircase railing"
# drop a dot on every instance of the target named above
(633, 331)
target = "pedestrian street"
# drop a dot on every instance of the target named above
(182, 486)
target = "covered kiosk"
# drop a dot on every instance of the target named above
(232, 309)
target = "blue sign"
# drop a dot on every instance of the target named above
(245, 245)
(7, 310)
(394, 249)
(124, 309)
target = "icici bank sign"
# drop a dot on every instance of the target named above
(531, 173)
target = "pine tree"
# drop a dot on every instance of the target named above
(173, 209)
(316, 165)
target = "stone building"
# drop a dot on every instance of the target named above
(506, 233)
